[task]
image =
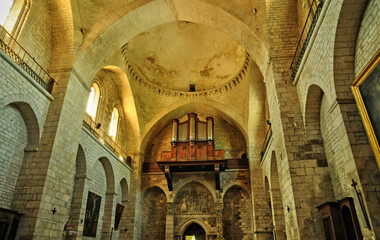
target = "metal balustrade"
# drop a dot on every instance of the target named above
(307, 32)
(21, 57)
(104, 138)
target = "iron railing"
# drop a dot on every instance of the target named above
(307, 32)
(266, 143)
(22, 58)
(104, 138)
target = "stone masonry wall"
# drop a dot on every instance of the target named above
(13, 139)
(20, 101)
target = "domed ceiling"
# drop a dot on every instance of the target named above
(174, 55)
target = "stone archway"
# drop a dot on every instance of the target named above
(194, 231)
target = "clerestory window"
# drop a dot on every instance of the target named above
(93, 100)
(114, 123)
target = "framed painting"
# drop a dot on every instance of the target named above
(118, 214)
(92, 215)
(366, 90)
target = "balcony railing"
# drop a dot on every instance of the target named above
(22, 58)
(307, 32)
(266, 143)
(106, 139)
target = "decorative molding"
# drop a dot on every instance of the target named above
(234, 82)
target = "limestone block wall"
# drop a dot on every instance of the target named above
(368, 43)
(23, 110)
(104, 176)
(345, 144)
(36, 36)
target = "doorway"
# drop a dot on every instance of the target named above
(194, 232)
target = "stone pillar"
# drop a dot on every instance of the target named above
(169, 233)
(219, 220)
(43, 189)
(134, 207)
(109, 216)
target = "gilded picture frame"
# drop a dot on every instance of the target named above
(366, 90)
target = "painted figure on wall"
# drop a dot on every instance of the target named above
(92, 215)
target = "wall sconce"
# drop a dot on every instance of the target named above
(81, 221)
(54, 210)
(254, 11)
(98, 125)
(287, 208)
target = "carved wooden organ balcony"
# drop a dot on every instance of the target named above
(192, 149)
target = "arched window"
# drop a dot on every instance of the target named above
(93, 100)
(5, 8)
(114, 122)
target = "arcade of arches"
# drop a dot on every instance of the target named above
(179, 119)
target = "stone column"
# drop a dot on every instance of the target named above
(219, 220)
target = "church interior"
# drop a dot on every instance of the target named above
(190, 119)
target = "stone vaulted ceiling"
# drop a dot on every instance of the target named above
(174, 55)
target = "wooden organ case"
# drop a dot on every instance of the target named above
(192, 149)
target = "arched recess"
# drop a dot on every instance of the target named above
(347, 31)
(313, 124)
(77, 209)
(13, 140)
(153, 215)
(31, 123)
(195, 230)
(276, 200)
(197, 180)
(136, 22)
(181, 108)
(237, 214)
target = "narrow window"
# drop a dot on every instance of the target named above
(93, 100)
(5, 8)
(114, 122)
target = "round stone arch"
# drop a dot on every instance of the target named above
(184, 226)
(28, 113)
(316, 81)
(180, 108)
(231, 185)
(312, 112)
(198, 180)
(348, 27)
(136, 22)
(110, 176)
(164, 190)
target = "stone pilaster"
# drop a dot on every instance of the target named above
(219, 220)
